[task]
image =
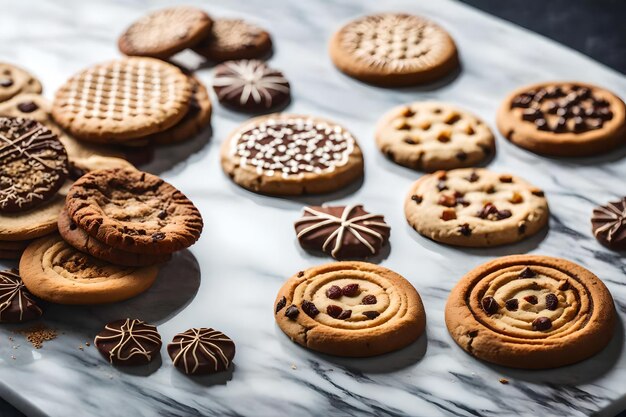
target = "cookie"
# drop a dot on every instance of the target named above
(197, 117)
(31, 224)
(80, 166)
(80, 240)
(563, 119)
(344, 232)
(122, 100)
(250, 86)
(288, 154)
(18, 245)
(165, 32)
(33, 164)
(475, 207)
(16, 303)
(54, 271)
(429, 136)
(351, 309)
(532, 312)
(234, 39)
(608, 224)
(129, 342)
(393, 49)
(14, 80)
(201, 351)
(133, 211)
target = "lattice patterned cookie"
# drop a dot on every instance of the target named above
(531, 312)
(287, 154)
(14, 80)
(231, 39)
(429, 136)
(122, 100)
(352, 309)
(563, 119)
(475, 207)
(393, 50)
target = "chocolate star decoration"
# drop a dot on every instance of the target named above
(609, 224)
(16, 303)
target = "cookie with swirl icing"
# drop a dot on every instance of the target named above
(201, 351)
(532, 312)
(16, 303)
(129, 342)
(354, 309)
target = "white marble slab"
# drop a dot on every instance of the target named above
(229, 279)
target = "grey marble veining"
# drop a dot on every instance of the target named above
(229, 279)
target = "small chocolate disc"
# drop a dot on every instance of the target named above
(16, 303)
(129, 342)
(201, 351)
(608, 224)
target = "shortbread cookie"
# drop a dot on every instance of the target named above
(288, 154)
(429, 136)
(393, 50)
(250, 85)
(16, 303)
(54, 271)
(34, 223)
(165, 32)
(134, 211)
(129, 342)
(352, 309)
(531, 312)
(234, 39)
(79, 239)
(475, 207)
(122, 100)
(608, 224)
(563, 119)
(201, 351)
(33, 164)
(344, 232)
(14, 80)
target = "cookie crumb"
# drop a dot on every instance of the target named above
(38, 334)
(293, 366)
(87, 344)
(504, 381)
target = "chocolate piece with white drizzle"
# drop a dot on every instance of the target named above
(129, 342)
(201, 351)
(16, 303)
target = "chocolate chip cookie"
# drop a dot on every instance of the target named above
(14, 80)
(532, 312)
(231, 39)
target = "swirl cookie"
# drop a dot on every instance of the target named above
(287, 154)
(54, 271)
(608, 224)
(563, 119)
(231, 39)
(351, 309)
(532, 312)
(393, 50)
(122, 100)
(428, 136)
(14, 80)
(165, 32)
(475, 207)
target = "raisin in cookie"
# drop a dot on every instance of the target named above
(351, 309)
(14, 80)
(563, 119)
(531, 312)
(475, 207)
(429, 136)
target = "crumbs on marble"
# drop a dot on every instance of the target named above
(38, 334)
(293, 366)
(504, 381)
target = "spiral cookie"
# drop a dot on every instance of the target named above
(475, 207)
(351, 309)
(531, 312)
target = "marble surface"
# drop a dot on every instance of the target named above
(228, 280)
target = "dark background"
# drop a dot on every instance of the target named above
(596, 28)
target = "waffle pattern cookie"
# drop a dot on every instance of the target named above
(232, 39)
(563, 119)
(531, 312)
(14, 80)
(286, 154)
(429, 136)
(475, 207)
(351, 309)
(393, 50)
(122, 100)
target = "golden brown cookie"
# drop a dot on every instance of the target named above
(475, 207)
(532, 312)
(429, 136)
(165, 32)
(393, 49)
(288, 154)
(14, 80)
(34, 223)
(351, 309)
(120, 101)
(133, 211)
(234, 39)
(563, 119)
(81, 166)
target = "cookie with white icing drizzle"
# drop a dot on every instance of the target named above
(201, 351)
(288, 154)
(342, 231)
(129, 342)
(16, 303)
(250, 85)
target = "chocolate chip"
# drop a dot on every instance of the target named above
(564, 286)
(158, 236)
(6, 82)
(309, 308)
(369, 299)
(162, 214)
(542, 124)
(408, 112)
(527, 273)
(280, 304)
(410, 141)
(561, 125)
(461, 156)
(334, 311)
(448, 214)
(292, 312)
(506, 178)
(532, 114)
(503, 214)
(537, 192)
(542, 323)
(521, 229)
(473, 177)
(333, 292)
(417, 198)
(441, 185)
(27, 107)
(490, 305)
(371, 314)
(345, 315)
(605, 114)
(350, 290)
(512, 304)
(447, 200)
(552, 302)
(532, 299)
(521, 101)
(300, 274)
(465, 230)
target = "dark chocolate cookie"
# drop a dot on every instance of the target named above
(33, 164)
(201, 351)
(608, 224)
(16, 303)
(129, 342)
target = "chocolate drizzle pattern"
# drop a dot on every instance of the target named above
(16, 303)
(609, 223)
(201, 351)
(129, 342)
